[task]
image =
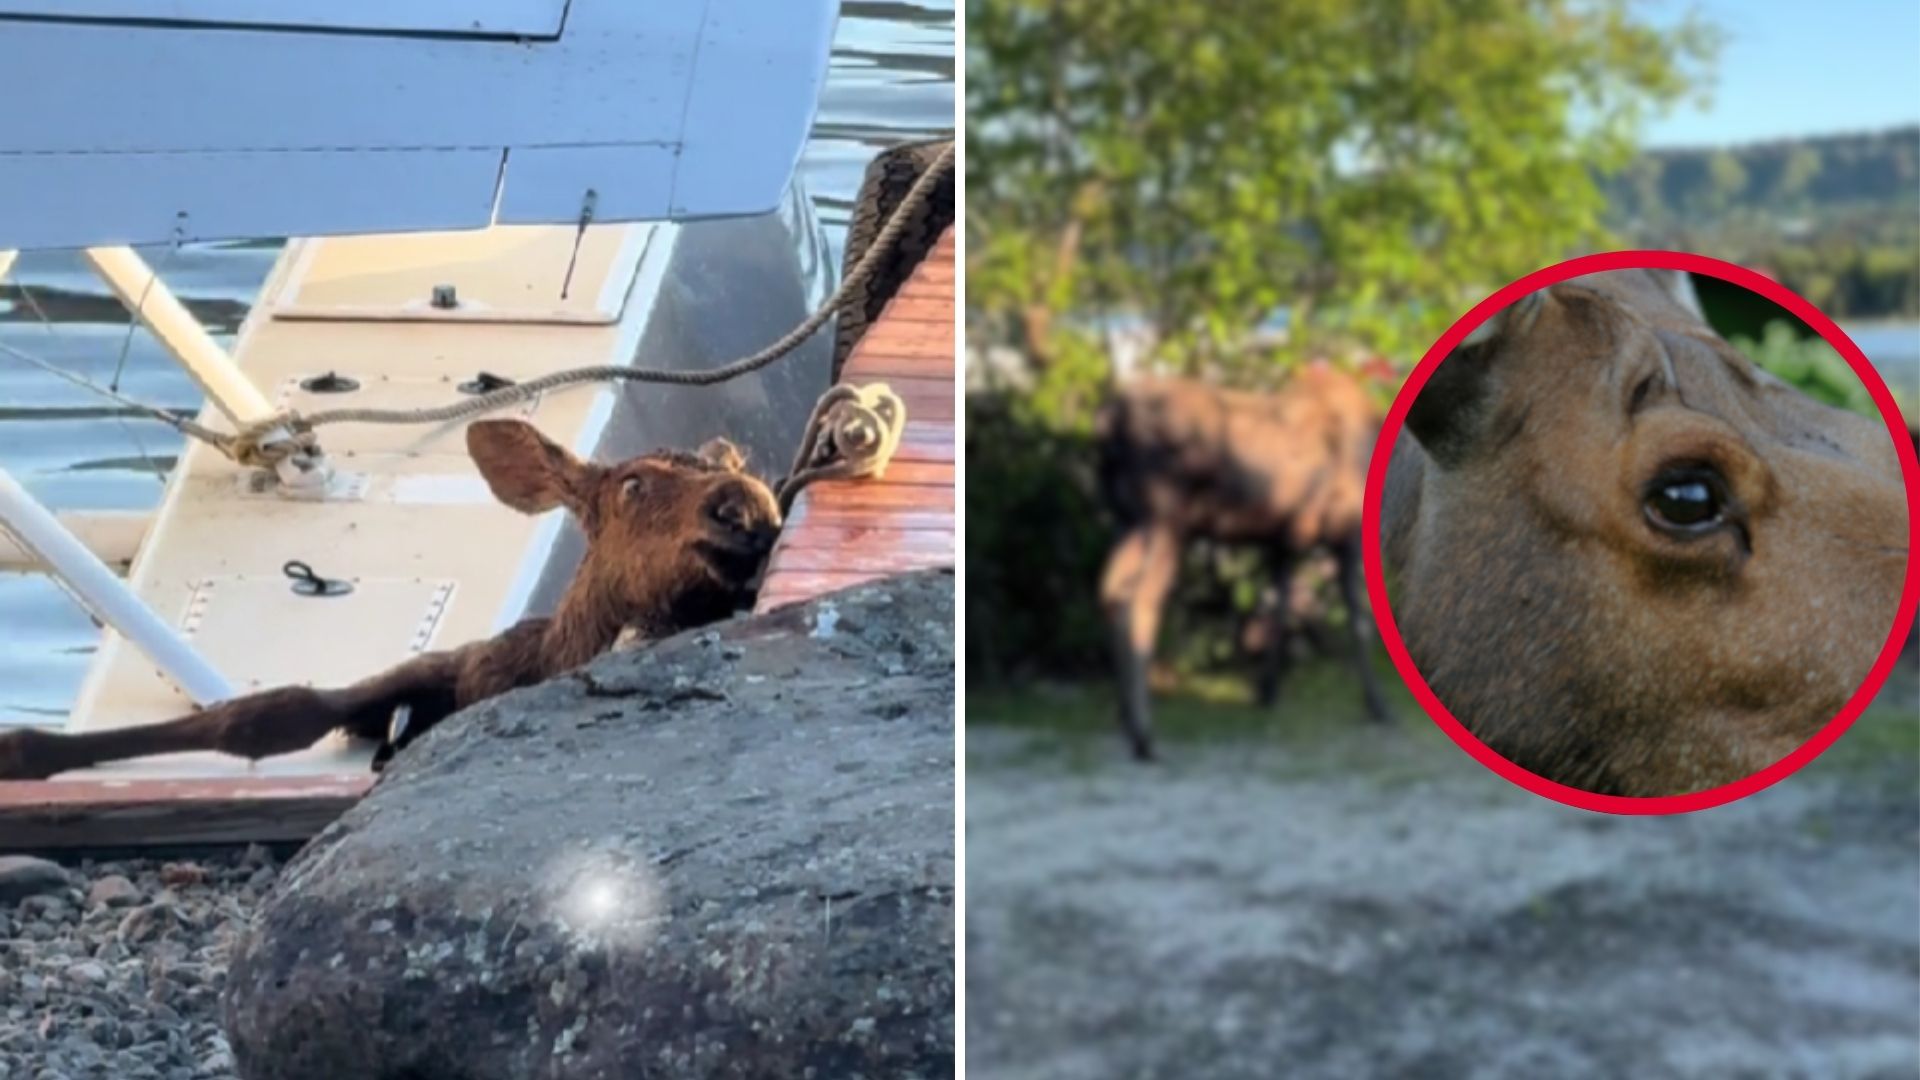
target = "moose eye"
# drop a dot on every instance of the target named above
(731, 514)
(1685, 502)
(630, 487)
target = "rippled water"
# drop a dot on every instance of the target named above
(891, 80)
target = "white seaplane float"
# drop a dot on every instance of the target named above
(478, 193)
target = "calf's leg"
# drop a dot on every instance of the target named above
(1276, 655)
(1360, 623)
(1133, 590)
(254, 726)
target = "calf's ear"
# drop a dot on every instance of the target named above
(1451, 410)
(724, 454)
(526, 470)
(1678, 285)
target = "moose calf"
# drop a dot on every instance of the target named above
(674, 540)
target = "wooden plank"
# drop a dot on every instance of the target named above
(906, 339)
(925, 307)
(871, 517)
(50, 814)
(926, 364)
(924, 392)
(809, 583)
(821, 537)
(931, 473)
(892, 559)
(916, 387)
(914, 472)
(914, 290)
(883, 367)
(941, 452)
(938, 410)
(873, 493)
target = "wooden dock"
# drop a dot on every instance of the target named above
(842, 532)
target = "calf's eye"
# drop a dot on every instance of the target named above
(1685, 502)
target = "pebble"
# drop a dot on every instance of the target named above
(87, 972)
(112, 891)
(115, 969)
(144, 922)
(23, 876)
(177, 875)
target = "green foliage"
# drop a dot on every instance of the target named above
(1035, 538)
(1373, 165)
(1810, 364)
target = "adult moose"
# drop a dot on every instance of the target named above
(1285, 471)
(1626, 558)
(674, 540)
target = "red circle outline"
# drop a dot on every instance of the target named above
(1376, 483)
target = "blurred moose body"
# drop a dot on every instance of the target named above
(674, 540)
(1181, 461)
(1626, 558)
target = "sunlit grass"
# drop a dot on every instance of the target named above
(1321, 719)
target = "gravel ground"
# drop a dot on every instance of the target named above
(114, 969)
(1376, 904)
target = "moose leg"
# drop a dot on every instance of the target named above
(1276, 654)
(262, 724)
(1133, 589)
(1360, 623)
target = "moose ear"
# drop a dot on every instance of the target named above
(724, 454)
(1678, 285)
(525, 469)
(1450, 411)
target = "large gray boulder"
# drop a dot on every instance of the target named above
(729, 854)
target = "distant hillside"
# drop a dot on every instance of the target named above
(1836, 217)
(1825, 175)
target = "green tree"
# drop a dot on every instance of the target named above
(1370, 164)
(1727, 181)
(1798, 174)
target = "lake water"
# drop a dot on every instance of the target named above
(1894, 348)
(891, 80)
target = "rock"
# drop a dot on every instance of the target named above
(22, 876)
(46, 907)
(146, 921)
(87, 973)
(683, 860)
(178, 875)
(112, 891)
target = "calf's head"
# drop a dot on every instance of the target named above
(1627, 558)
(674, 538)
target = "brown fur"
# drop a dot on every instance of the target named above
(674, 540)
(1555, 617)
(1182, 461)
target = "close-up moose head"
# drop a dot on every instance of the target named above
(1625, 557)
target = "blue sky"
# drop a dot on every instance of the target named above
(1799, 67)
